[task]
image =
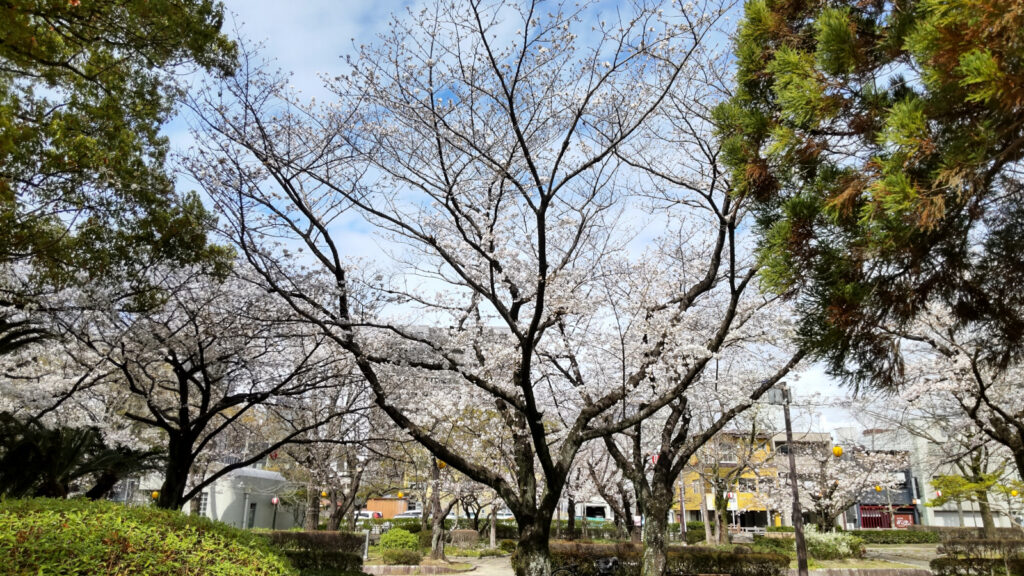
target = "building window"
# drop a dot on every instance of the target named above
(204, 499)
(251, 521)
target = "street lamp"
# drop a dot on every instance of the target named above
(798, 516)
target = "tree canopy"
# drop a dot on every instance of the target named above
(84, 90)
(881, 142)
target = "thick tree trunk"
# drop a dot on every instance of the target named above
(312, 520)
(172, 491)
(533, 557)
(655, 532)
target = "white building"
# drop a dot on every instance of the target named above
(242, 498)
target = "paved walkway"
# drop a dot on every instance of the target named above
(913, 554)
(491, 566)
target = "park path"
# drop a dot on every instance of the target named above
(491, 566)
(913, 554)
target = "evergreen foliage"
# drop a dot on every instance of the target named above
(84, 192)
(881, 143)
(78, 537)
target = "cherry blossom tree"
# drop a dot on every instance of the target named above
(216, 369)
(829, 485)
(955, 448)
(484, 143)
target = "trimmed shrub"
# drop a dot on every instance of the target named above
(321, 553)
(896, 536)
(399, 556)
(945, 566)
(681, 560)
(465, 538)
(507, 546)
(694, 531)
(834, 546)
(491, 552)
(399, 539)
(49, 536)
(784, 546)
(780, 529)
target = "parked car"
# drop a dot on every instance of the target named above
(369, 514)
(410, 514)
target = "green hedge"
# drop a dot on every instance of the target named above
(681, 560)
(896, 536)
(780, 529)
(399, 556)
(321, 553)
(72, 537)
(944, 566)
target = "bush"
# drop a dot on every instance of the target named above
(834, 546)
(507, 546)
(681, 560)
(321, 553)
(780, 529)
(426, 538)
(465, 538)
(896, 536)
(490, 552)
(784, 546)
(47, 536)
(399, 539)
(399, 556)
(944, 566)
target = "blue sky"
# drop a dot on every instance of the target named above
(311, 37)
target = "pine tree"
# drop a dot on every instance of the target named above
(881, 142)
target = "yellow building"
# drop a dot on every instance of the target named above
(738, 466)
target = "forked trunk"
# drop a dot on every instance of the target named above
(437, 538)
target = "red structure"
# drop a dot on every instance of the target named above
(880, 516)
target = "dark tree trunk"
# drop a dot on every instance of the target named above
(104, 484)
(533, 557)
(570, 522)
(172, 491)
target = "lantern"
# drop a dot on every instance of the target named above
(323, 494)
(1014, 493)
(154, 495)
(401, 494)
(837, 451)
(878, 488)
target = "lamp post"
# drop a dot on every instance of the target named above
(785, 398)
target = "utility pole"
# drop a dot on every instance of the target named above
(798, 517)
